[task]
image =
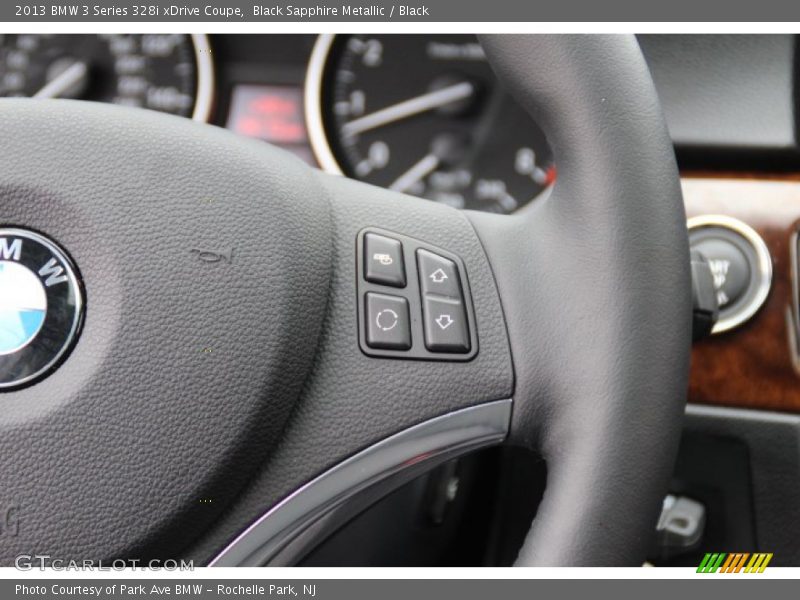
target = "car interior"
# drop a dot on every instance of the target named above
(387, 300)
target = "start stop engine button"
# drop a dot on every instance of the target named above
(729, 267)
(740, 264)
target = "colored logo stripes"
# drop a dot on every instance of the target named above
(734, 563)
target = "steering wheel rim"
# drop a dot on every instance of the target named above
(615, 225)
(167, 421)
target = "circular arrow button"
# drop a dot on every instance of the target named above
(387, 322)
(387, 319)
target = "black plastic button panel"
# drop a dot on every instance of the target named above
(413, 299)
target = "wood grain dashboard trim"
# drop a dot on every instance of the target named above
(756, 364)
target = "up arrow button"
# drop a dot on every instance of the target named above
(438, 275)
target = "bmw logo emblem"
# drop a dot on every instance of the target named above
(41, 306)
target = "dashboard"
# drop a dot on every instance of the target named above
(425, 115)
(420, 114)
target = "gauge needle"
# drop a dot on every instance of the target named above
(409, 108)
(62, 82)
(421, 168)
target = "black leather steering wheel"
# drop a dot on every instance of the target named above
(219, 405)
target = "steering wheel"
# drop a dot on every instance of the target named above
(238, 389)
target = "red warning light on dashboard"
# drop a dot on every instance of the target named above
(270, 113)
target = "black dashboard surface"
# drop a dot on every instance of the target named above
(730, 100)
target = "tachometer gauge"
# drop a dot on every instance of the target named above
(424, 115)
(168, 73)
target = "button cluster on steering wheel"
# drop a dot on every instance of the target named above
(413, 299)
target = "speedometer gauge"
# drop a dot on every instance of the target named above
(168, 73)
(424, 115)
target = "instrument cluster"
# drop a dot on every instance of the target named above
(419, 114)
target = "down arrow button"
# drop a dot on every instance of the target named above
(446, 327)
